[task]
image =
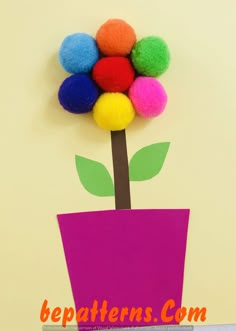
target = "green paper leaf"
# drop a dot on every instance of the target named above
(148, 161)
(94, 177)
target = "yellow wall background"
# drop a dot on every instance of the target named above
(38, 143)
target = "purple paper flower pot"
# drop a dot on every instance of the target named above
(130, 258)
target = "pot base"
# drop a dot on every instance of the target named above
(130, 258)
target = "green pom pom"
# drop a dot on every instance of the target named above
(151, 56)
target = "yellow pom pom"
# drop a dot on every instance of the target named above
(113, 111)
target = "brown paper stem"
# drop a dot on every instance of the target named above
(121, 170)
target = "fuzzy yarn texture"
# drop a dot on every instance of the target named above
(78, 93)
(116, 38)
(148, 97)
(113, 111)
(113, 74)
(78, 53)
(151, 56)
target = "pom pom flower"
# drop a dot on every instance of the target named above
(114, 77)
(119, 69)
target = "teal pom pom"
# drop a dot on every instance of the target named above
(151, 56)
(78, 53)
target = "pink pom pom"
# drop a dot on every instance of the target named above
(148, 96)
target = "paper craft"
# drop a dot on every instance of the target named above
(130, 258)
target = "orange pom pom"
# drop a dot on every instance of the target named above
(116, 38)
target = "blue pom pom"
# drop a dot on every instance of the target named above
(78, 94)
(78, 53)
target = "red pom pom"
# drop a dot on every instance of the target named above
(113, 74)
